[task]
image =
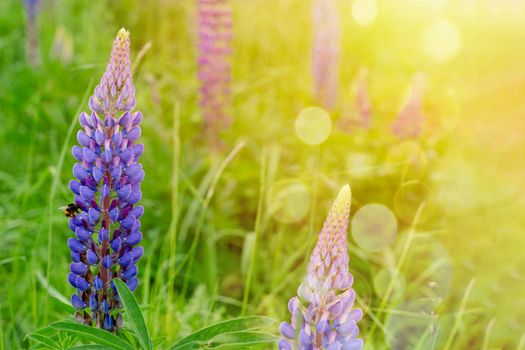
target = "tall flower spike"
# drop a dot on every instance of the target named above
(409, 121)
(323, 314)
(325, 52)
(214, 65)
(32, 8)
(107, 191)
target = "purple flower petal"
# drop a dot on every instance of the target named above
(91, 257)
(75, 245)
(137, 211)
(134, 197)
(133, 134)
(124, 192)
(77, 153)
(89, 155)
(77, 302)
(78, 268)
(79, 172)
(82, 234)
(133, 283)
(130, 272)
(128, 222)
(83, 139)
(86, 193)
(99, 137)
(106, 262)
(287, 330)
(74, 186)
(103, 235)
(134, 238)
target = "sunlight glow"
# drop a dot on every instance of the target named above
(441, 41)
(364, 12)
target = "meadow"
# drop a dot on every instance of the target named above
(436, 232)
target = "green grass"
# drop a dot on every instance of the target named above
(214, 247)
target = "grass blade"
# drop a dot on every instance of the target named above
(136, 317)
(93, 334)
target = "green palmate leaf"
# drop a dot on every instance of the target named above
(90, 347)
(243, 338)
(208, 334)
(158, 341)
(44, 340)
(233, 340)
(136, 318)
(92, 334)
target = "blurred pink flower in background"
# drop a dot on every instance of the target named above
(32, 8)
(357, 113)
(409, 121)
(325, 52)
(214, 65)
(364, 105)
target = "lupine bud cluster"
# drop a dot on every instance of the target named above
(107, 189)
(323, 313)
(32, 8)
(325, 52)
(214, 64)
(409, 121)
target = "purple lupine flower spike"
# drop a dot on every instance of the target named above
(214, 65)
(325, 52)
(409, 121)
(107, 190)
(32, 8)
(323, 313)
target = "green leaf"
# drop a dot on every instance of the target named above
(207, 334)
(90, 347)
(135, 316)
(42, 339)
(158, 341)
(93, 334)
(47, 331)
(60, 305)
(243, 338)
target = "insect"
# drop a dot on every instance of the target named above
(70, 210)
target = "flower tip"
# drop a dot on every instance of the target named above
(344, 197)
(123, 33)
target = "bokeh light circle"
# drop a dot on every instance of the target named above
(374, 227)
(441, 41)
(364, 12)
(409, 197)
(313, 125)
(389, 283)
(288, 202)
(408, 160)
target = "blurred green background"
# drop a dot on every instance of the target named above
(251, 210)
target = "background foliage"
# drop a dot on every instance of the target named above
(253, 208)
